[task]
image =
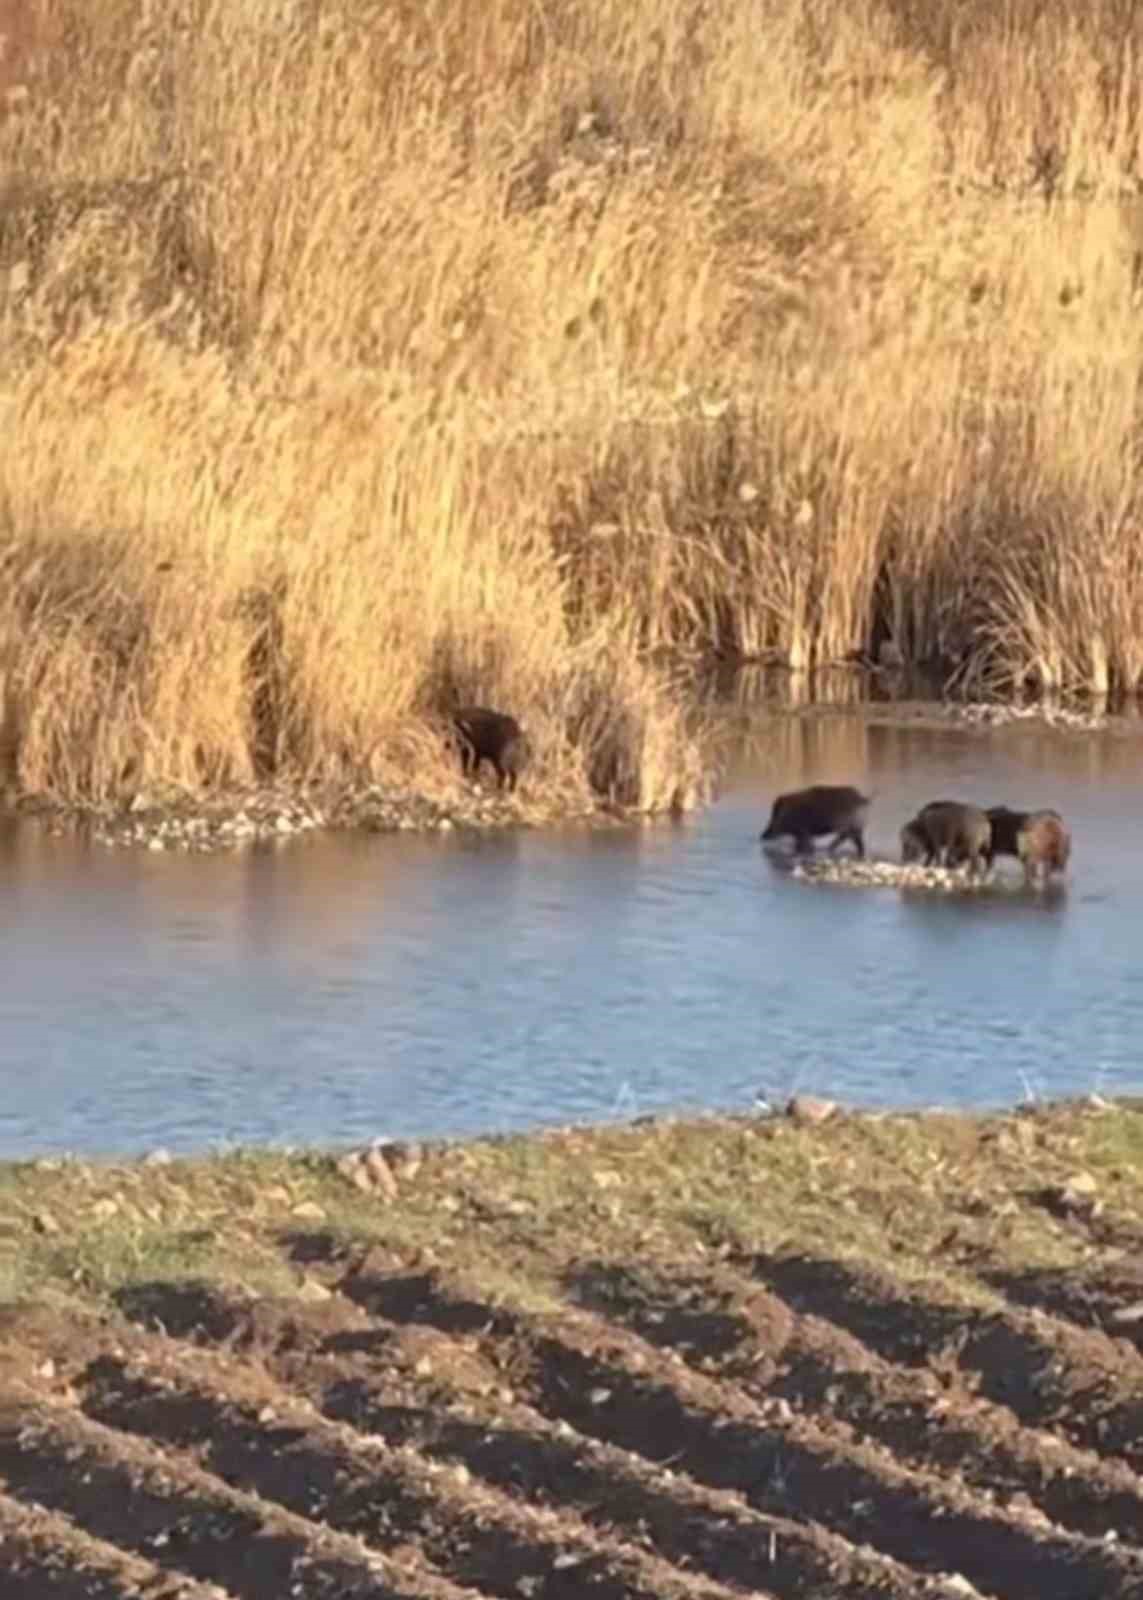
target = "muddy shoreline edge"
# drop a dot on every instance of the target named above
(172, 820)
(797, 1108)
(427, 1171)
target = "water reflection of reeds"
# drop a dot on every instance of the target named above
(758, 684)
(867, 749)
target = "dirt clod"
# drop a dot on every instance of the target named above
(809, 1108)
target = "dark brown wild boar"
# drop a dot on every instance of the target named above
(809, 814)
(948, 833)
(493, 736)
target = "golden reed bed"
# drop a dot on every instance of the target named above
(361, 363)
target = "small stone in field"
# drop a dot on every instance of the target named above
(380, 1172)
(1082, 1183)
(1128, 1314)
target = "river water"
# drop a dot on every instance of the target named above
(330, 989)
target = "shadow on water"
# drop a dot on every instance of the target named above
(967, 906)
(940, 920)
(342, 987)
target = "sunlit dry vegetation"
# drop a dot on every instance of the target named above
(360, 359)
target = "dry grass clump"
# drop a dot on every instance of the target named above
(357, 362)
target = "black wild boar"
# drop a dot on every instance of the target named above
(809, 814)
(1006, 824)
(1039, 839)
(948, 833)
(492, 736)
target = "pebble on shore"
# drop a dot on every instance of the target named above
(179, 825)
(984, 714)
(889, 874)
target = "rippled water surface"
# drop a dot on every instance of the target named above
(338, 988)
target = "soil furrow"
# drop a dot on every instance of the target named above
(709, 1530)
(45, 1556)
(1047, 1372)
(924, 1416)
(252, 1433)
(161, 1505)
(434, 1390)
(522, 1451)
(621, 1388)
(1110, 1300)
(744, 1378)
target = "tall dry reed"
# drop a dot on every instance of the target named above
(360, 359)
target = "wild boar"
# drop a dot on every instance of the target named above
(493, 736)
(1039, 839)
(948, 833)
(809, 814)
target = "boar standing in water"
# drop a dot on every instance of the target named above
(948, 833)
(1039, 839)
(809, 814)
(492, 736)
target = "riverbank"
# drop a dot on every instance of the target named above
(199, 824)
(816, 1352)
(170, 819)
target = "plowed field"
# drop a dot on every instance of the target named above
(872, 1358)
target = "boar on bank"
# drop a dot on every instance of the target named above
(1040, 840)
(948, 833)
(492, 736)
(808, 814)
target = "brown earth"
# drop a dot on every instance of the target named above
(895, 1357)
